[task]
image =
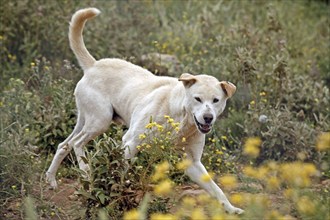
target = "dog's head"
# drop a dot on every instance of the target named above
(205, 99)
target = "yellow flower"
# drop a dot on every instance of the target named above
(237, 199)
(298, 174)
(273, 183)
(132, 215)
(183, 140)
(251, 150)
(218, 217)
(175, 124)
(163, 188)
(32, 64)
(262, 93)
(184, 164)
(273, 214)
(262, 173)
(189, 202)
(203, 198)
(198, 214)
(251, 147)
(224, 138)
(206, 177)
(160, 171)
(290, 193)
(323, 142)
(142, 136)
(309, 169)
(160, 216)
(252, 102)
(219, 152)
(151, 125)
(305, 205)
(228, 181)
(160, 128)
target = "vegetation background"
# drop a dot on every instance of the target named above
(276, 52)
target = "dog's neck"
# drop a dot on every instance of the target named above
(187, 125)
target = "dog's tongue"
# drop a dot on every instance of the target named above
(206, 127)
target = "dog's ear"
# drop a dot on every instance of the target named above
(187, 79)
(228, 88)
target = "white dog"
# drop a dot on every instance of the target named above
(116, 90)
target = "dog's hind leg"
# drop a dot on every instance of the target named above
(96, 123)
(92, 126)
(62, 151)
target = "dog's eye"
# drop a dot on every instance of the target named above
(215, 100)
(198, 99)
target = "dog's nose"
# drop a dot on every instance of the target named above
(208, 118)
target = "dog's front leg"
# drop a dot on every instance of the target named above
(195, 172)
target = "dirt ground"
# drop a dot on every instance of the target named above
(64, 204)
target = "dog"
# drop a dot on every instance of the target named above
(114, 90)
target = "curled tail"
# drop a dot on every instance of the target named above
(86, 60)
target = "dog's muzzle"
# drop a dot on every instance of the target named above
(204, 128)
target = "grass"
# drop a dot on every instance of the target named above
(276, 52)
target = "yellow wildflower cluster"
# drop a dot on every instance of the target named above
(142, 136)
(174, 125)
(271, 176)
(165, 185)
(151, 125)
(296, 174)
(207, 177)
(161, 171)
(228, 181)
(251, 147)
(163, 188)
(159, 136)
(161, 216)
(305, 205)
(323, 142)
(184, 164)
(132, 215)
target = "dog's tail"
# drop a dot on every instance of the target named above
(86, 60)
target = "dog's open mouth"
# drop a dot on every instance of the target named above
(204, 128)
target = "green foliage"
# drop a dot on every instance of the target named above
(111, 184)
(115, 184)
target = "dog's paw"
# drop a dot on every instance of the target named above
(234, 210)
(51, 180)
(238, 211)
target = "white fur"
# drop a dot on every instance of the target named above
(116, 90)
